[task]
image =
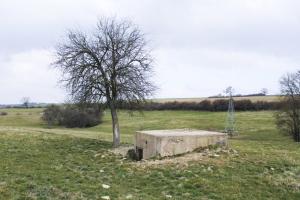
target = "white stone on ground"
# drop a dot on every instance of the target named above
(105, 186)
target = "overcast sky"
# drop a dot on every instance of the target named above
(200, 46)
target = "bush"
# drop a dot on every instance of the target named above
(52, 115)
(220, 105)
(205, 105)
(76, 116)
(3, 113)
(244, 105)
(284, 122)
(72, 116)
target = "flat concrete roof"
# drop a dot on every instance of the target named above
(180, 132)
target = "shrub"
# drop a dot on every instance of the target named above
(244, 105)
(52, 115)
(284, 122)
(72, 116)
(77, 116)
(3, 113)
(220, 105)
(205, 105)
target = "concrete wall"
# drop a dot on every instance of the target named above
(148, 143)
(174, 142)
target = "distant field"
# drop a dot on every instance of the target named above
(59, 163)
(269, 98)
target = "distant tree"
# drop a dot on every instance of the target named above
(229, 91)
(288, 118)
(25, 102)
(111, 65)
(264, 91)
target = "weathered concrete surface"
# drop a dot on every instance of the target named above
(172, 142)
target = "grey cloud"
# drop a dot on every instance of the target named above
(206, 45)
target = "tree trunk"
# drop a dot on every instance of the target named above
(115, 126)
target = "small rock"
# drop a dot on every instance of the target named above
(105, 186)
(214, 155)
(186, 194)
(168, 196)
(129, 196)
(179, 185)
(234, 151)
(105, 197)
(96, 155)
(225, 151)
(101, 170)
(2, 183)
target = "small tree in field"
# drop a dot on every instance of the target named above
(25, 102)
(288, 118)
(110, 65)
(264, 91)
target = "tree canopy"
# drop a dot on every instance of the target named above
(109, 65)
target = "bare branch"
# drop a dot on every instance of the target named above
(112, 64)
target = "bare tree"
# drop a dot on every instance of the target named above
(25, 102)
(229, 91)
(264, 91)
(110, 65)
(288, 118)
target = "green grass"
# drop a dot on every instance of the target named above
(59, 163)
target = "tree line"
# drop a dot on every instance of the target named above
(205, 105)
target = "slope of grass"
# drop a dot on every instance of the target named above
(59, 163)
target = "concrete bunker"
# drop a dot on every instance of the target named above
(163, 143)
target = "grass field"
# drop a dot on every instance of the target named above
(59, 163)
